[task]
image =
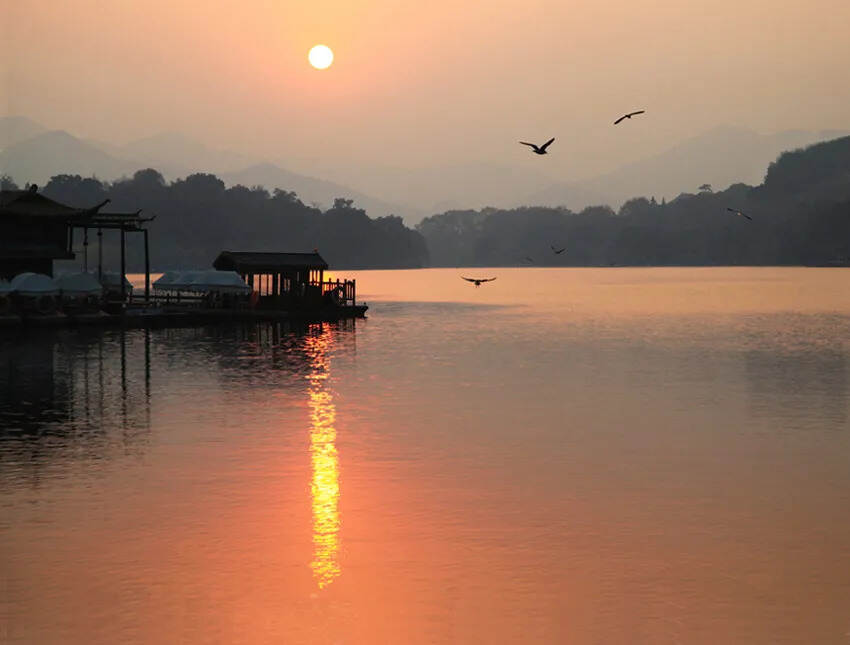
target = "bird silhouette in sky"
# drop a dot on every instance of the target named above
(538, 150)
(477, 281)
(741, 213)
(557, 251)
(629, 116)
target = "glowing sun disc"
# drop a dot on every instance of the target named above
(321, 57)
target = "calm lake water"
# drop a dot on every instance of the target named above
(563, 455)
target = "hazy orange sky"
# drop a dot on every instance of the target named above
(422, 83)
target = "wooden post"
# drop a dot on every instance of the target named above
(100, 255)
(147, 270)
(123, 267)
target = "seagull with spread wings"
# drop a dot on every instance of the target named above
(538, 150)
(629, 116)
(737, 212)
(477, 281)
(557, 251)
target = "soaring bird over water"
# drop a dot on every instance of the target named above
(557, 251)
(477, 281)
(629, 116)
(737, 212)
(538, 150)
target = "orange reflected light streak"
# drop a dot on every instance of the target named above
(324, 488)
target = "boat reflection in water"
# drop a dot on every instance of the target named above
(324, 487)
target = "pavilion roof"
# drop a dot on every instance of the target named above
(261, 262)
(29, 202)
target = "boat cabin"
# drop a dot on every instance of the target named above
(287, 280)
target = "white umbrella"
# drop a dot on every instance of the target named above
(34, 284)
(186, 280)
(166, 281)
(202, 281)
(112, 281)
(79, 284)
(219, 281)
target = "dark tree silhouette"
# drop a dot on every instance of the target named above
(198, 216)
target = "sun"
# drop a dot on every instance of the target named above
(321, 57)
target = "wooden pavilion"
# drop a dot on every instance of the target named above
(36, 230)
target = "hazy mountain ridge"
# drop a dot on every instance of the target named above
(56, 152)
(37, 158)
(434, 189)
(14, 129)
(310, 189)
(720, 157)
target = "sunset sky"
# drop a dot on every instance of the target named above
(427, 83)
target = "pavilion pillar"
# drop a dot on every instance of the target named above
(123, 267)
(86, 249)
(147, 269)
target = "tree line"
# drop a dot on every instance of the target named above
(197, 217)
(800, 215)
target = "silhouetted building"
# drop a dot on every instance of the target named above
(34, 231)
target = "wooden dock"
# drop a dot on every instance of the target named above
(153, 317)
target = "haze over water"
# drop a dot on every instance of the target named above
(562, 455)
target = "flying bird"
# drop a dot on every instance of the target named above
(528, 260)
(629, 116)
(557, 251)
(737, 212)
(477, 281)
(538, 150)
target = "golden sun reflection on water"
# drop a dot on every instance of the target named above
(324, 487)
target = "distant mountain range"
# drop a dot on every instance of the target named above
(720, 157)
(29, 152)
(310, 189)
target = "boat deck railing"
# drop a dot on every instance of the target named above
(346, 290)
